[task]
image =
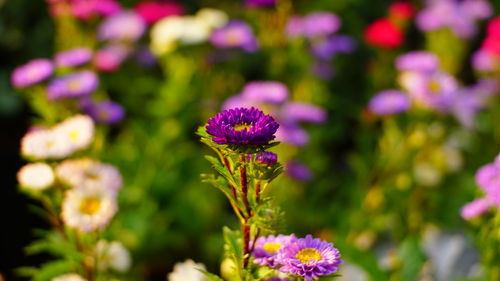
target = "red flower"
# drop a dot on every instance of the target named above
(401, 10)
(152, 12)
(383, 33)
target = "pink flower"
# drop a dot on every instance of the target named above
(152, 12)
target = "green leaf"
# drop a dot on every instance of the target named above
(209, 275)
(412, 258)
(53, 269)
(221, 169)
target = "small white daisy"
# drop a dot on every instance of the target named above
(85, 171)
(78, 130)
(35, 176)
(69, 277)
(44, 144)
(187, 271)
(112, 255)
(88, 208)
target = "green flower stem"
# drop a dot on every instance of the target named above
(257, 191)
(245, 226)
(228, 167)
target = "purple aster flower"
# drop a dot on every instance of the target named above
(267, 247)
(320, 24)
(109, 58)
(74, 85)
(74, 57)
(265, 91)
(266, 158)
(292, 133)
(242, 126)
(238, 101)
(124, 26)
(326, 49)
(435, 90)
(389, 102)
(32, 73)
(475, 208)
(260, 3)
(104, 112)
(298, 171)
(235, 34)
(303, 112)
(417, 61)
(309, 258)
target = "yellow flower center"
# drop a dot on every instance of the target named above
(90, 205)
(73, 135)
(434, 86)
(271, 247)
(74, 85)
(233, 37)
(243, 126)
(307, 255)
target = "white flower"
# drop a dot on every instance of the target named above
(165, 33)
(112, 255)
(187, 271)
(45, 143)
(88, 208)
(194, 31)
(78, 130)
(85, 171)
(213, 18)
(35, 176)
(69, 277)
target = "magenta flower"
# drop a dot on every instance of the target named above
(152, 11)
(309, 258)
(260, 3)
(475, 208)
(74, 85)
(74, 57)
(32, 73)
(389, 102)
(109, 58)
(318, 24)
(235, 34)
(242, 126)
(266, 248)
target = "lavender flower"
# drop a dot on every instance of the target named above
(326, 49)
(32, 73)
(74, 85)
(389, 102)
(236, 34)
(484, 61)
(242, 126)
(298, 171)
(104, 112)
(265, 91)
(124, 26)
(74, 57)
(320, 24)
(266, 158)
(267, 247)
(109, 58)
(309, 258)
(475, 208)
(417, 61)
(290, 132)
(303, 112)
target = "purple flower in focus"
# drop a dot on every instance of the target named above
(389, 102)
(74, 57)
(297, 171)
(267, 247)
(417, 61)
(260, 3)
(124, 26)
(74, 85)
(265, 91)
(326, 49)
(266, 158)
(109, 58)
(309, 257)
(242, 126)
(303, 112)
(104, 112)
(235, 34)
(475, 208)
(32, 73)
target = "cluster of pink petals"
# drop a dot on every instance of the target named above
(84, 9)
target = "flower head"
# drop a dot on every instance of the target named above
(260, 3)
(32, 73)
(112, 255)
(242, 126)
(475, 208)
(187, 271)
(265, 91)
(41, 143)
(417, 61)
(309, 258)
(320, 24)
(74, 85)
(152, 12)
(88, 208)
(383, 33)
(73, 57)
(298, 171)
(235, 34)
(266, 158)
(401, 10)
(77, 130)
(389, 102)
(266, 248)
(124, 26)
(35, 176)
(69, 277)
(86, 172)
(104, 112)
(110, 57)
